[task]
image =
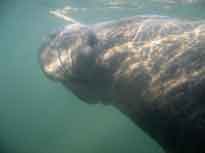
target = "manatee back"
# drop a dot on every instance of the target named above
(158, 65)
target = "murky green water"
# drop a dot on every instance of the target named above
(40, 116)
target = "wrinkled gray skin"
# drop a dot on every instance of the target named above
(151, 68)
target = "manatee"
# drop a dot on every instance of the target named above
(151, 68)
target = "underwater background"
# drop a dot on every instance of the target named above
(41, 116)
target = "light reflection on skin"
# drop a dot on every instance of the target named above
(157, 47)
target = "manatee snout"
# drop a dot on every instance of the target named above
(68, 53)
(69, 56)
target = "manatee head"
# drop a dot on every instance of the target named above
(69, 56)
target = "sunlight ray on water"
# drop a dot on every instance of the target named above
(61, 14)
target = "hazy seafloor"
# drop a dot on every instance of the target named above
(40, 116)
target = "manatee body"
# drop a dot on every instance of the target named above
(151, 68)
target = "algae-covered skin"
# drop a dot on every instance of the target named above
(151, 68)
